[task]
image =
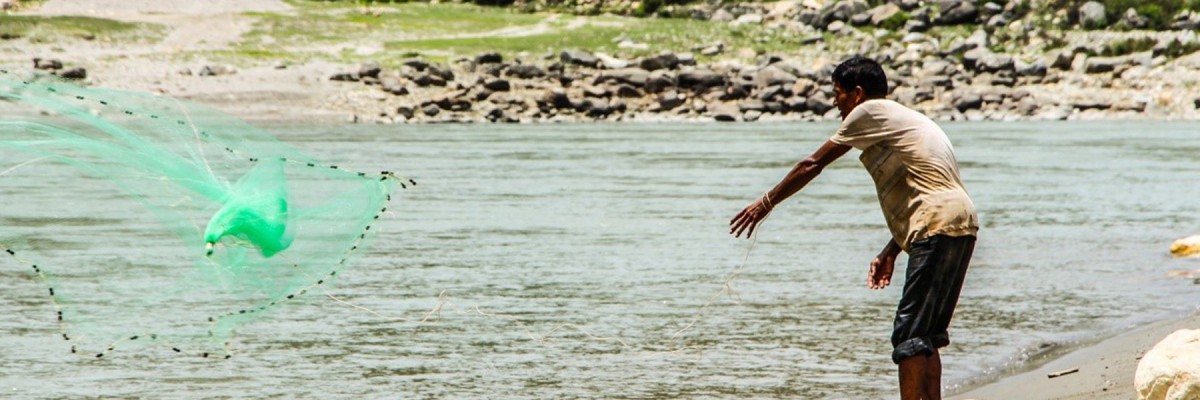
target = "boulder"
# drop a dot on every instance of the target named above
(1171, 369)
(1091, 15)
(1186, 247)
(725, 112)
(954, 12)
(841, 11)
(773, 76)
(670, 100)
(968, 101)
(659, 81)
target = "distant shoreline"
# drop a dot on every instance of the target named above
(958, 77)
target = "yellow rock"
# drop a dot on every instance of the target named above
(1186, 247)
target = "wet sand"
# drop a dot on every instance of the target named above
(1105, 370)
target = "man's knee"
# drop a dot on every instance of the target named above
(917, 346)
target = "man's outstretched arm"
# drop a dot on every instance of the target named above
(796, 179)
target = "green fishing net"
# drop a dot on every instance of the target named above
(154, 223)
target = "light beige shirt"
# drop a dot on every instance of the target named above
(915, 172)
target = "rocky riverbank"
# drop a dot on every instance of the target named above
(1003, 64)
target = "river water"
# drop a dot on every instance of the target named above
(593, 261)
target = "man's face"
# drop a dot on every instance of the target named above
(846, 100)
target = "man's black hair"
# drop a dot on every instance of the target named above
(861, 71)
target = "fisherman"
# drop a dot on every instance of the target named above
(929, 213)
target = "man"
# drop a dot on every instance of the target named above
(926, 207)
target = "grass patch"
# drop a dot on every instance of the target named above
(51, 29)
(442, 32)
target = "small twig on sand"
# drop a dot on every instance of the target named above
(1053, 375)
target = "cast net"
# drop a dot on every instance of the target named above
(158, 223)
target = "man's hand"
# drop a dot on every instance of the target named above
(749, 218)
(880, 275)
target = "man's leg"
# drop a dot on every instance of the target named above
(913, 377)
(933, 376)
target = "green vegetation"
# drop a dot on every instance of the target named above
(896, 21)
(447, 31)
(1128, 46)
(51, 29)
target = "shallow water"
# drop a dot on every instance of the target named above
(589, 261)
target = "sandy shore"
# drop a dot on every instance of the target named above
(1105, 369)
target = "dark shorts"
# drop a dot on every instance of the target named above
(936, 268)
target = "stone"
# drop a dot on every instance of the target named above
(748, 19)
(74, 73)
(773, 76)
(670, 100)
(557, 98)
(916, 25)
(1095, 65)
(883, 12)
(1186, 247)
(340, 77)
(724, 112)
(978, 39)
(427, 79)
(1133, 20)
(578, 57)
(394, 87)
(1171, 369)
(524, 71)
(405, 111)
(662, 61)
(701, 79)
(1091, 15)
(610, 62)
(417, 64)
(489, 58)
(968, 101)
(841, 11)
(369, 69)
(626, 90)
(955, 12)
(51, 64)
(632, 76)
(721, 15)
(431, 110)
(819, 103)
(498, 85)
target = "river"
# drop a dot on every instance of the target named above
(594, 261)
